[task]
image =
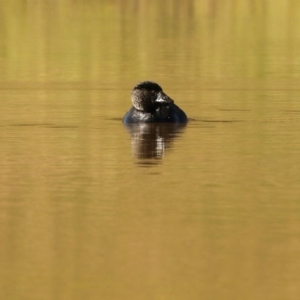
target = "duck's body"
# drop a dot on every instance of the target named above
(170, 114)
(152, 105)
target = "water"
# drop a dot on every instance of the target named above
(93, 209)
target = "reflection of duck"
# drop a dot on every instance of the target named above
(151, 104)
(149, 140)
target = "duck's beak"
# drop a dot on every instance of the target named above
(162, 98)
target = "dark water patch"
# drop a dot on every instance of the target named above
(114, 119)
(148, 163)
(229, 109)
(221, 121)
(61, 126)
(31, 124)
(45, 125)
(292, 111)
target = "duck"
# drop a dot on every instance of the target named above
(152, 105)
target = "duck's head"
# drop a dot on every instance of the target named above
(147, 96)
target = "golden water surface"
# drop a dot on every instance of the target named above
(91, 209)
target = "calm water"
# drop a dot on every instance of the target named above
(91, 209)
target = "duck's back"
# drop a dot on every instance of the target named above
(136, 116)
(169, 114)
(176, 115)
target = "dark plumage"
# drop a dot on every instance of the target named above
(151, 104)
